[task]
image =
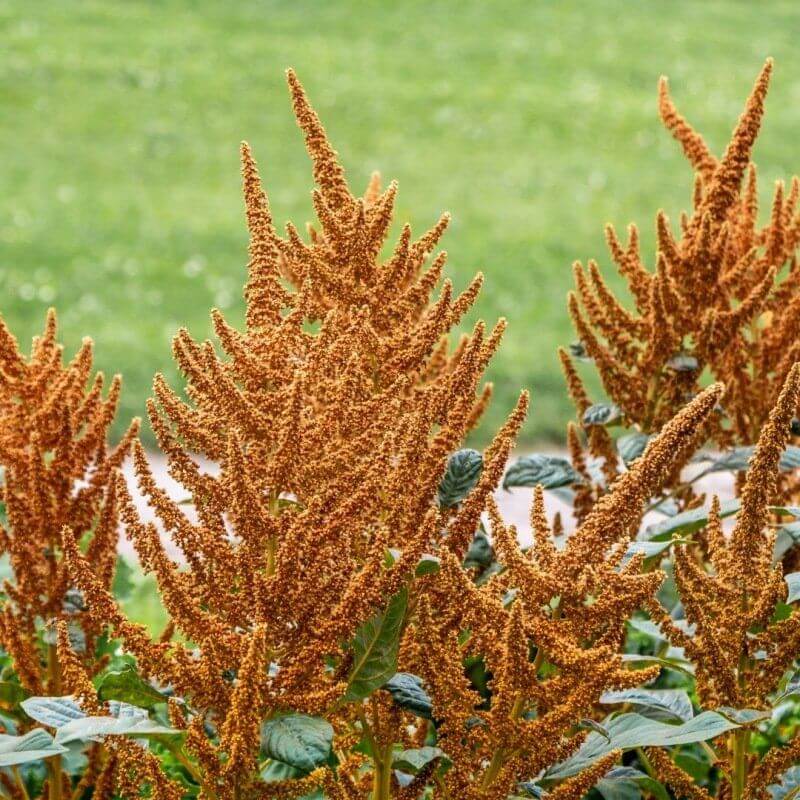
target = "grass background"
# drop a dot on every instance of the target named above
(533, 122)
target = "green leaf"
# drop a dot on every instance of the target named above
(126, 720)
(679, 664)
(408, 692)
(631, 446)
(412, 761)
(793, 582)
(375, 649)
(682, 362)
(686, 522)
(301, 741)
(427, 565)
(652, 549)
(550, 472)
(480, 553)
(33, 746)
(601, 414)
(462, 473)
(788, 786)
(127, 686)
(738, 458)
(669, 703)
(53, 711)
(621, 783)
(628, 731)
(744, 716)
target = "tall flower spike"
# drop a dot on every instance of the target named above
(718, 298)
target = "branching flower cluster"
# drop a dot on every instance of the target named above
(349, 614)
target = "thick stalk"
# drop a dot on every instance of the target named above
(54, 688)
(741, 740)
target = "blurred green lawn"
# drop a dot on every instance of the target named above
(533, 122)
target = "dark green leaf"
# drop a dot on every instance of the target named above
(601, 414)
(127, 686)
(744, 716)
(126, 720)
(408, 692)
(669, 703)
(463, 471)
(686, 522)
(427, 565)
(412, 761)
(630, 731)
(480, 553)
(375, 649)
(33, 746)
(788, 786)
(301, 741)
(52, 711)
(631, 446)
(550, 472)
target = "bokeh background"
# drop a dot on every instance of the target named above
(534, 123)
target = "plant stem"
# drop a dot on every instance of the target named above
(741, 739)
(20, 783)
(54, 688)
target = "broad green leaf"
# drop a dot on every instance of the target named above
(788, 785)
(412, 761)
(301, 741)
(744, 716)
(669, 703)
(651, 549)
(551, 472)
(128, 722)
(631, 446)
(53, 711)
(408, 692)
(630, 731)
(738, 458)
(791, 689)
(793, 511)
(601, 414)
(278, 771)
(127, 686)
(480, 553)
(462, 473)
(427, 565)
(686, 522)
(793, 582)
(621, 783)
(375, 649)
(33, 746)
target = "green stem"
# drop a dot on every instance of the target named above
(20, 783)
(645, 762)
(54, 688)
(741, 739)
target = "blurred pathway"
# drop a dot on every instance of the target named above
(514, 504)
